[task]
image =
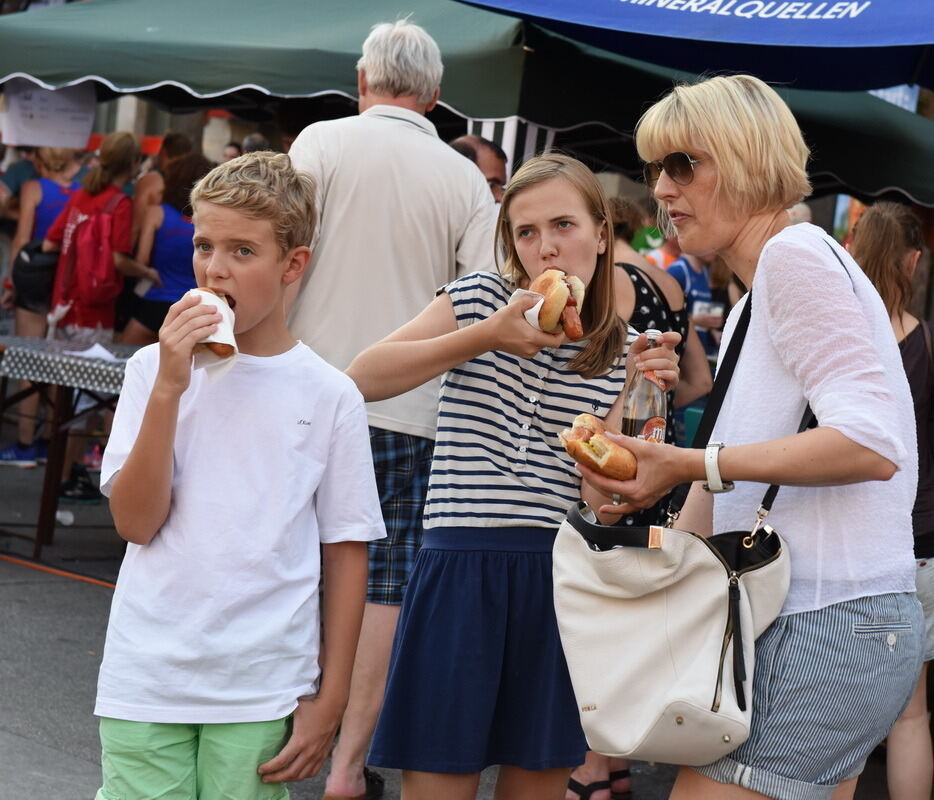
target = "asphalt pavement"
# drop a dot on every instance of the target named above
(51, 635)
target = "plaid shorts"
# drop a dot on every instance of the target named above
(402, 464)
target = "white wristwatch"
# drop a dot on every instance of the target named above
(714, 485)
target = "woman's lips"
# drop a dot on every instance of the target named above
(678, 218)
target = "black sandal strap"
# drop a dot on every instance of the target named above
(585, 792)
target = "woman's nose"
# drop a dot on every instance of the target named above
(548, 247)
(665, 187)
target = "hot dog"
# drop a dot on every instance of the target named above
(587, 445)
(219, 349)
(564, 297)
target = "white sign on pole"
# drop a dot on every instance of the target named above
(40, 117)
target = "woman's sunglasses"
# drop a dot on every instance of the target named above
(679, 166)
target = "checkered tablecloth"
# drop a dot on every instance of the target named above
(42, 361)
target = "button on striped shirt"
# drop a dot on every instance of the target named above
(497, 459)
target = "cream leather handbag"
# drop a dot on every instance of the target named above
(658, 625)
(659, 634)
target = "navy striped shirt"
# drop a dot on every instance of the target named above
(497, 459)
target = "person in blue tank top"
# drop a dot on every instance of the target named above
(41, 200)
(165, 245)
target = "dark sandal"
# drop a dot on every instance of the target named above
(586, 792)
(374, 784)
(619, 775)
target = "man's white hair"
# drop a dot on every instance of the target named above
(400, 59)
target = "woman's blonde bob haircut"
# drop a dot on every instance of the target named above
(748, 131)
(605, 331)
(264, 185)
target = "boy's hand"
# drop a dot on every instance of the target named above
(187, 323)
(314, 725)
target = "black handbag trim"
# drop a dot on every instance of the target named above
(729, 547)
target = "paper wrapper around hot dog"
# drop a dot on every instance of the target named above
(531, 314)
(215, 366)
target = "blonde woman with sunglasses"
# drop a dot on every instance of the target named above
(725, 158)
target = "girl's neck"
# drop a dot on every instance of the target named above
(903, 323)
(742, 254)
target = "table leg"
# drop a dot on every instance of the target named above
(48, 505)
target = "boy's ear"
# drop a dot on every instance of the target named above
(297, 262)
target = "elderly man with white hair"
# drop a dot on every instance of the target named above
(401, 215)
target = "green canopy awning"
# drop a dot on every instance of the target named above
(239, 55)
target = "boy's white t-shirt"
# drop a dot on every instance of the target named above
(216, 619)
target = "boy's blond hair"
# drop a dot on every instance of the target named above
(264, 186)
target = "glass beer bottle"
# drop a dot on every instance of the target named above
(645, 404)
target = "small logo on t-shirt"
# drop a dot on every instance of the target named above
(304, 422)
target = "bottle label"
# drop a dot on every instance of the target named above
(654, 430)
(650, 375)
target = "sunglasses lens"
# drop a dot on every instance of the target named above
(679, 168)
(651, 172)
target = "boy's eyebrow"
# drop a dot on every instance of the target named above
(200, 237)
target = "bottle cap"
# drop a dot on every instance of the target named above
(651, 333)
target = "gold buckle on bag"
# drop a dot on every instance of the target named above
(656, 534)
(750, 541)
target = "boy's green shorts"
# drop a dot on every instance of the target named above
(148, 760)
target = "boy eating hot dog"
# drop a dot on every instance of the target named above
(210, 684)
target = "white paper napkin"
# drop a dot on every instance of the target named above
(531, 314)
(215, 366)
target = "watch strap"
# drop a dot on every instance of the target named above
(715, 484)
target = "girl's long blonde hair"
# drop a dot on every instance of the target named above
(605, 331)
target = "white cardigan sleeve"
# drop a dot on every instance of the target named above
(817, 319)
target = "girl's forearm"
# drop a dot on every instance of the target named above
(390, 368)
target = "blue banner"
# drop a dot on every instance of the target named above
(853, 44)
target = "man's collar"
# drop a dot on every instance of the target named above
(404, 114)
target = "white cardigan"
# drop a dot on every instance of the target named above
(820, 335)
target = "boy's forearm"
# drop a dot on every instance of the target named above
(344, 570)
(142, 492)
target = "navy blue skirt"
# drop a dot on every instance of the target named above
(477, 675)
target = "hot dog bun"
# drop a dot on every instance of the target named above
(587, 445)
(219, 349)
(557, 287)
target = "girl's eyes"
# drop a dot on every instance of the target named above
(525, 234)
(244, 251)
(202, 247)
(564, 224)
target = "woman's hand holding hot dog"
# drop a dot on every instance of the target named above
(188, 322)
(659, 469)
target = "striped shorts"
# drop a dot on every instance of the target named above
(402, 463)
(828, 685)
